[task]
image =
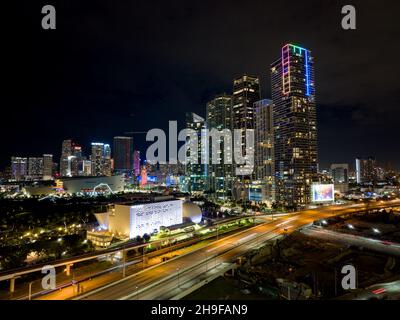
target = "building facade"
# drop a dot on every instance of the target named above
(123, 152)
(295, 126)
(35, 168)
(196, 155)
(19, 168)
(264, 149)
(47, 166)
(220, 175)
(66, 153)
(366, 170)
(246, 91)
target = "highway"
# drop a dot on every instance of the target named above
(385, 247)
(225, 250)
(389, 291)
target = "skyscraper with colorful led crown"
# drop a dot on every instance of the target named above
(295, 125)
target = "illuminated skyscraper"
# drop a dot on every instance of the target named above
(340, 176)
(264, 149)
(123, 150)
(219, 117)
(35, 168)
(47, 166)
(66, 153)
(97, 158)
(19, 168)
(366, 170)
(136, 162)
(246, 91)
(295, 125)
(143, 174)
(107, 162)
(75, 160)
(196, 168)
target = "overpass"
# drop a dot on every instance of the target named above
(157, 280)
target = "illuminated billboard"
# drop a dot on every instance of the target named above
(322, 193)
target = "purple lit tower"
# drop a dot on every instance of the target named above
(136, 162)
(295, 126)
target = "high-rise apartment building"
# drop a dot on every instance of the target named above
(340, 176)
(35, 168)
(295, 125)
(196, 154)
(123, 151)
(246, 91)
(264, 149)
(107, 162)
(340, 172)
(366, 170)
(219, 117)
(47, 166)
(97, 158)
(19, 168)
(100, 159)
(136, 163)
(65, 160)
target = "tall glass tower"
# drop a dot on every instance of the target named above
(295, 126)
(219, 115)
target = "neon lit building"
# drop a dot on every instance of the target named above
(143, 175)
(19, 168)
(295, 125)
(136, 162)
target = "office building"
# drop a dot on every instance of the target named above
(196, 154)
(366, 170)
(65, 160)
(136, 163)
(123, 151)
(246, 91)
(19, 168)
(47, 166)
(295, 126)
(264, 151)
(340, 176)
(219, 117)
(35, 168)
(97, 158)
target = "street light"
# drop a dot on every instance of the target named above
(376, 230)
(137, 292)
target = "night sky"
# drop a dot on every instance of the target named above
(117, 66)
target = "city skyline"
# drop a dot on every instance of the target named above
(148, 79)
(218, 154)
